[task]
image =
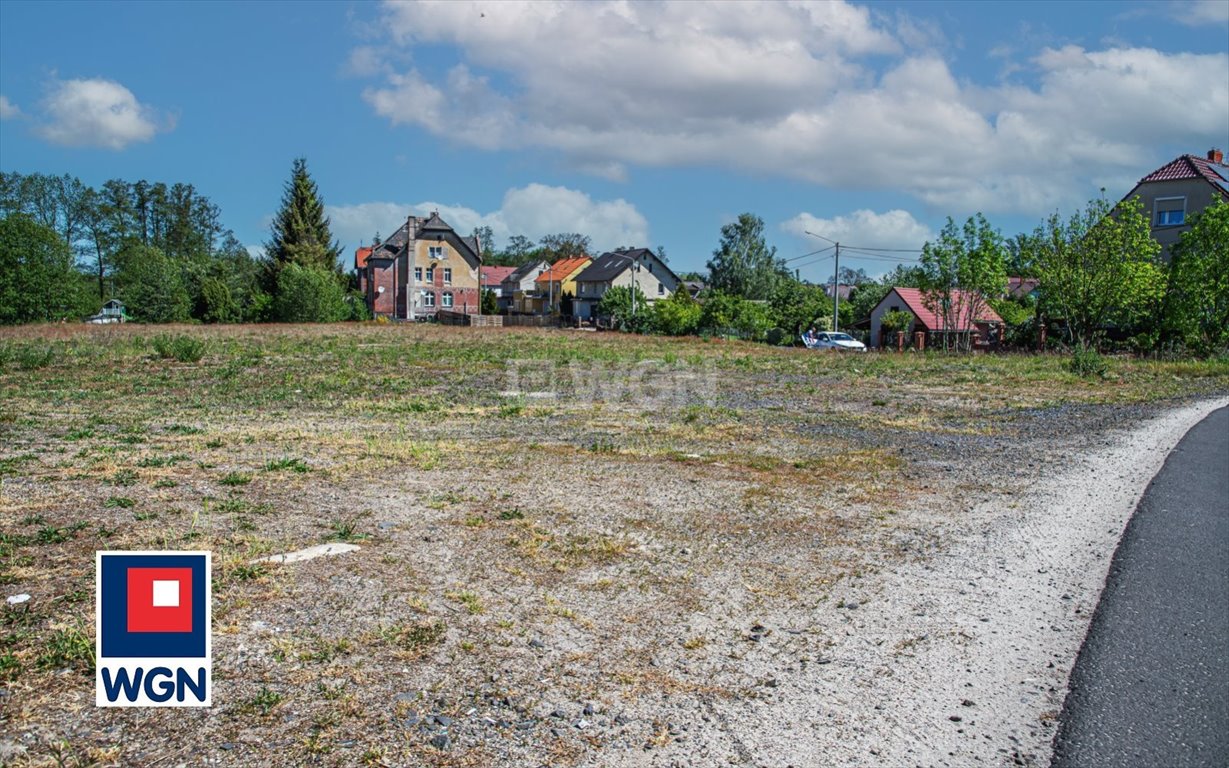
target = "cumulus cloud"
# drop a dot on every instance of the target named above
(8, 109)
(534, 210)
(864, 228)
(823, 92)
(96, 113)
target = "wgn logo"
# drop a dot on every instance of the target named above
(153, 631)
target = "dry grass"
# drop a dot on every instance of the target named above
(613, 531)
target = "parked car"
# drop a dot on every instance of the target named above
(839, 341)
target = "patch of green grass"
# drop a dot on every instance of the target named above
(122, 502)
(124, 477)
(79, 434)
(162, 461)
(416, 638)
(185, 349)
(165, 483)
(143, 516)
(286, 463)
(511, 514)
(346, 530)
(33, 520)
(263, 702)
(184, 429)
(471, 600)
(67, 648)
(35, 356)
(9, 466)
(323, 650)
(235, 479)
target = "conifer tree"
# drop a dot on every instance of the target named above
(300, 231)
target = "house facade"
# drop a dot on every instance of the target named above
(1176, 191)
(552, 284)
(925, 319)
(634, 266)
(422, 268)
(518, 287)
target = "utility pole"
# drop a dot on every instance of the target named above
(836, 286)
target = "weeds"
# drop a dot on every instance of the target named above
(185, 349)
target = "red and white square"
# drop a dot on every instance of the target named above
(159, 599)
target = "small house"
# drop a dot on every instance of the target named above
(925, 319)
(112, 312)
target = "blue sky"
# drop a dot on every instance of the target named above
(637, 124)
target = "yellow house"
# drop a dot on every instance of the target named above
(422, 268)
(550, 286)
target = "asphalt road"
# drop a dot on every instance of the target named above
(1150, 688)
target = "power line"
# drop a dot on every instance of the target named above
(812, 253)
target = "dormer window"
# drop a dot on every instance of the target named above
(436, 252)
(1169, 211)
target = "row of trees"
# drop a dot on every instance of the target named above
(521, 250)
(1099, 271)
(66, 247)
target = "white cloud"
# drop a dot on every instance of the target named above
(1198, 13)
(822, 92)
(8, 109)
(863, 228)
(96, 112)
(534, 210)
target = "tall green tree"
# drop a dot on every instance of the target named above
(486, 242)
(1098, 267)
(565, 245)
(971, 260)
(744, 264)
(38, 281)
(1197, 304)
(151, 285)
(300, 231)
(627, 311)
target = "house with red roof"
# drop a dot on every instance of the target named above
(493, 278)
(552, 284)
(968, 314)
(1176, 191)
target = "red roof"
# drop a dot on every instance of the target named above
(562, 269)
(493, 276)
(914, 301)
(360, 257)
(1186, 167)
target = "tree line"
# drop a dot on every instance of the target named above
(1100, 282)
(66, 247)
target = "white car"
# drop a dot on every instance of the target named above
(839, 341)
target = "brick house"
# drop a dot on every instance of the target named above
(422, 268)
(1176, 191)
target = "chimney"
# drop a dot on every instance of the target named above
(1216, 156)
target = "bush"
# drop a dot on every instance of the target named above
(217, 304)
(1087, 362)
(309, 295)
(678, 315)
(185, 349)
(34, 356)
(777, 337)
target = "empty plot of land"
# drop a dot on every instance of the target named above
(573, 548)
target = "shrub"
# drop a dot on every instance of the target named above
(678, 315)
(185, 349)
(309, 295)
(1087, 362)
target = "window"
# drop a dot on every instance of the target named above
(1169, 211)
(447, 300)
(430, 274)
(436, 252)
(661, 289)
(428, 298)
(447, 275)
(418, 274)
